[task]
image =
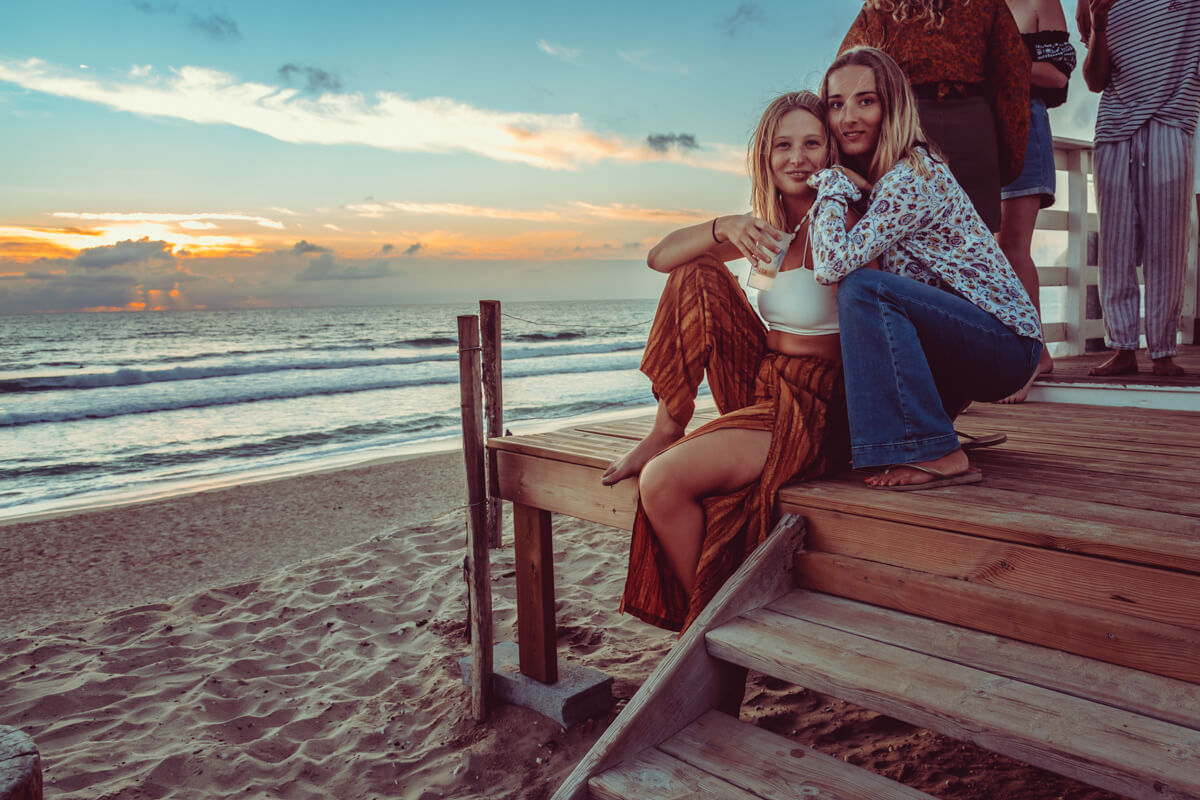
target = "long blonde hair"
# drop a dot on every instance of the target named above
(900, 131)
(765, 199)
(931, 12)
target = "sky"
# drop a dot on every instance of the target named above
(171, 154)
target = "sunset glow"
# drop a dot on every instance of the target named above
(301, 157)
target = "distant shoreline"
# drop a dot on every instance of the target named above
(120, 498)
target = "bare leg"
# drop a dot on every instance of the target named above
(1123, 362)
(1018, 217)
(674, 483)
(949, 464)
(665, 432)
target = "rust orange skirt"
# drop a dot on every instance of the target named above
(705, 326)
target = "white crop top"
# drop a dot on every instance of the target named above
(798, 304)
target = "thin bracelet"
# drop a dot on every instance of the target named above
(714, 231)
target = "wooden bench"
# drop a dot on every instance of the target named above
(1051, 614)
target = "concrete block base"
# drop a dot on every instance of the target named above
(581, 693)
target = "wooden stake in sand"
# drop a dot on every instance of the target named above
(480, 579)
(20, 766)
(489, 321)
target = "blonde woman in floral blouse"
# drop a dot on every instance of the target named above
(945, 320)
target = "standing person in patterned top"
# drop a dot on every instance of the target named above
(1144, 55)
(1043, 28)
(945, 320)
(970, 73)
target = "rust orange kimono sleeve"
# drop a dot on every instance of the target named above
(1007, 71)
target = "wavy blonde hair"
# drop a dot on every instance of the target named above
(764, 194)
(900, 131)
(931, 12)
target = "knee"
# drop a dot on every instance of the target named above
(1009, 241)
(705, 272)
(659, 486)
(862, 285)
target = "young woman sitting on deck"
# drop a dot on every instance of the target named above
(706, 499)
(944, 320)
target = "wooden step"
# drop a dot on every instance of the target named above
(1114, 748)
(719, 757)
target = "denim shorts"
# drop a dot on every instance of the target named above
(1037, 176)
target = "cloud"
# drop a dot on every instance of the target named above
(377, 209)
(641, 60)
(662, 142)
(302, 247)
(387, 248)
(746, 14)
(126, 252)
(216, 26)
(628, 213)
(317, 81)
(324, 268)
(144, 216)
(573, 212)
(559, 51)
(147, 7)
(412, 249)
(386, 120)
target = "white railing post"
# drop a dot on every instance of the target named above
(1078, 227)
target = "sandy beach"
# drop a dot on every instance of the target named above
(299, 638)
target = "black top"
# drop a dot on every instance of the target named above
(1054, 48)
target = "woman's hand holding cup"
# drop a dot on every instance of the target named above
(753, 237)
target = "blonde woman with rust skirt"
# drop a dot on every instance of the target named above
(706, 500)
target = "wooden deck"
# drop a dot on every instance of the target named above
(1050, 613)
(1074, 369)
(1088, 518)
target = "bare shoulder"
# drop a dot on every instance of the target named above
(1025, 13)
(1050, 15)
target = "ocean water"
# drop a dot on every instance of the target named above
(105, 406)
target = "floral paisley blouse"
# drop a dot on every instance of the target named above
(922, 228)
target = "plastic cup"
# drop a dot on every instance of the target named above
(762, 274)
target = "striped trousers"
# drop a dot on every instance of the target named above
(1143, 189)
(705, 328)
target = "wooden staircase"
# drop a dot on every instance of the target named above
(1131, 732)
(1050, 613)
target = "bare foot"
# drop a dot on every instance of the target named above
(1020, 394)
(950, 464)
(1046, 364)
(1123, 362)
(630, 464)
(1045, 367)
(1166, 366)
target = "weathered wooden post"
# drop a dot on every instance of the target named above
(489, 320)
(479, 567)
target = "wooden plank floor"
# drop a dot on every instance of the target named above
(1075, 370)
(1132, 469)
(1085, 532)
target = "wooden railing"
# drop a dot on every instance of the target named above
(1081, 324)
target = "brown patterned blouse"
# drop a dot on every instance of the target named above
(978, 44)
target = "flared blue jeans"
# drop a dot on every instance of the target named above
(914, 356)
